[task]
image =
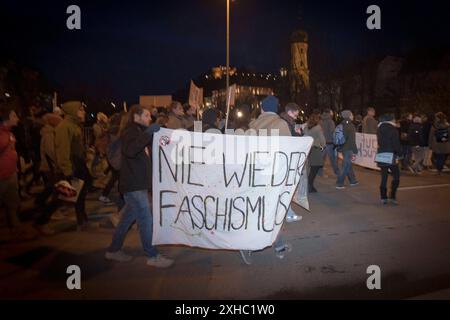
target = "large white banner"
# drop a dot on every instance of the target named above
(367, 149)
(223, 191)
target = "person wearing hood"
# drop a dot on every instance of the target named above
(290, 114)
(389, 142)
(439, 140)
(349, 150)
(328, 127)
(71, 154)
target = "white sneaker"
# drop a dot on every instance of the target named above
(118, 256)
(104, 199)
(293, 218)
(159, 261)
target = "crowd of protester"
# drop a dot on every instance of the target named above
(48, 147)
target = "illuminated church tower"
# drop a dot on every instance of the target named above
(299, 66)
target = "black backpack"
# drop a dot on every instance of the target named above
(441, 135)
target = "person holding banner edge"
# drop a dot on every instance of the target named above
(135, 183)
(270, 120)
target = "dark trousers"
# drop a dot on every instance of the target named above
(46, 209)
(439, 160)
(406, 152)
(395, 171)
(81, 172)
(312, 176)
(111, 182)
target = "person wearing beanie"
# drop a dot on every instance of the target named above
(348, 150)
(269, 119)
(71, 155)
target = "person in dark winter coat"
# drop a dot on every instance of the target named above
(439, 140)
(389, 142)
(290, 114)
(210, 120)
(315, 159)
(349, 150)
(135, 183)
(405, 122)
(417, 144)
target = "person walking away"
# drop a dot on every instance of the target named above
(135, 183)
(389, 142)
(348, 149)
(71, 155)
(370, 124)
(315, 159)
(439, 140)
(328, 127)
(415, 138)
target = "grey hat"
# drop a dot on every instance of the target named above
(346, 114)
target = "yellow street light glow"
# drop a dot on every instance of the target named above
(239, 114)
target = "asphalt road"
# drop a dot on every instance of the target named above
(346, 232)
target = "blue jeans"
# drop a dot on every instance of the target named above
(137, 208)
(347, 169)
(440, 160)
(330, 151)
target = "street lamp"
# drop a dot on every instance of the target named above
(228, 64)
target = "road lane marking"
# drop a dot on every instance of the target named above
(425, 187)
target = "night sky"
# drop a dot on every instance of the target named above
(129, 48)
